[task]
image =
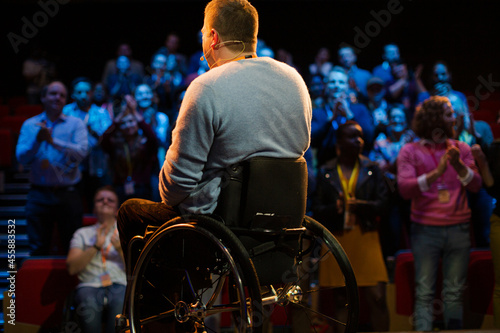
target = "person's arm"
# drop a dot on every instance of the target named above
(77, 148)
(482, 163)
(410, 184)
(27, 145)
(327, 206)
(78, 257)
(373, 206)
(192, 139)
(465, 166)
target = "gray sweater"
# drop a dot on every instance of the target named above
(242, 109)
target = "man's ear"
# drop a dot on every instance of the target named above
(216, 40)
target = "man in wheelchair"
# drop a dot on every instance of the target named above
(230, 235)
(242, 108)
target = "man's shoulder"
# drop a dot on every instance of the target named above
(73, 121)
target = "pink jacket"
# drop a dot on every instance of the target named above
(416, 159)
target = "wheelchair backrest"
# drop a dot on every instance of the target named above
(263, 200)
(264, 193)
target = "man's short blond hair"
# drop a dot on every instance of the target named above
(234, 20)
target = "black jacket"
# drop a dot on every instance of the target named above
(371, 186)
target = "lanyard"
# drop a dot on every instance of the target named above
(105, 251)
(349, 185)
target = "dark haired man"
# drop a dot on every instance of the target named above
(435, 174)
(52, 145)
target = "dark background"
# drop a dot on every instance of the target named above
(84, 34)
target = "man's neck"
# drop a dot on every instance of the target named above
(224, 56)
(53, 115)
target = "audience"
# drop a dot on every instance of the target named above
(96, 256)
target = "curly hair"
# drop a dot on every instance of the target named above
(428, 122)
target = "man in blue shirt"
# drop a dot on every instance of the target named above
(384, 70)
(357, 77)
(337, 110)
(52, 145)
(97, 120)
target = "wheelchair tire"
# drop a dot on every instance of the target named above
(320, 245)
(182, 272)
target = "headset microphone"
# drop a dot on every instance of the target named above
(202, 58)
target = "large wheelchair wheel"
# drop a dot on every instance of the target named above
(315, 307)
(181, 274)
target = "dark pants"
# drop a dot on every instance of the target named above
(47, 207)
(136, 214)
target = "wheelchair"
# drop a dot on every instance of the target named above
(256, 252)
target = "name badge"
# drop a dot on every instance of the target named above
(443, 194)
(106, 280)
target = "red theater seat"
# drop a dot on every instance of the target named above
(486, 115)
(13, 123)
(7, 151)
(495, 129)
(28, 110)
(481, 281)
(4, 110)
(42, 286)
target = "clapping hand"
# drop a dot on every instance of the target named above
(44, 134)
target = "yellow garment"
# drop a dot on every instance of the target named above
(495, 254)
(364, 253)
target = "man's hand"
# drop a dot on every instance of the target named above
(44, 134)
(132, 108)
(101, 235)
(356, 205)
(340, 203)
(442, 89)
(115, 240)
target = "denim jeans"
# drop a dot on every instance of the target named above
(451, 244)
(97, 306)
